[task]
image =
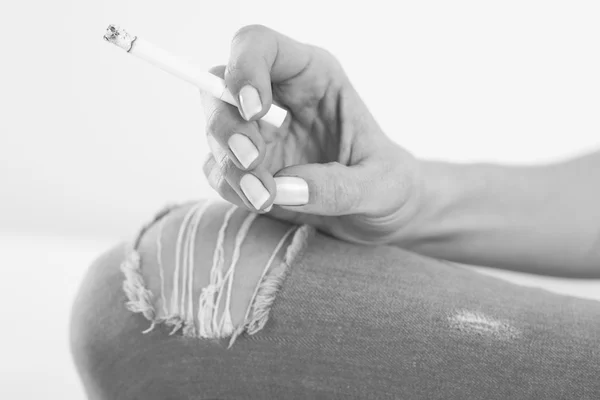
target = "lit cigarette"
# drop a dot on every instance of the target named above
(203, 80)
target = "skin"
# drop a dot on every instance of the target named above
(331, 140)
(364, 188)
(256, 250)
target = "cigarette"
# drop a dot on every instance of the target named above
(205, 81)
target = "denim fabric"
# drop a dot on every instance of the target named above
(353, 322)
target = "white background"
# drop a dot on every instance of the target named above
(93, 141)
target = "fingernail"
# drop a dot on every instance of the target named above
(250, 102)
(291, 191)
(254, 190)
(269, 208)
(243, 148)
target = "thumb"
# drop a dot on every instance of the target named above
(325, 189)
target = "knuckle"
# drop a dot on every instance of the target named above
(327, 56)
(247, 48)
(249, 31)
(344, 196)
(222, 162)
(346, 199)
(208, 165)
(329, 63)
(234, 72)
(227, 169)
(223, 189)
(218, 181)
(215, 123)
(214, 177)
(324, 53)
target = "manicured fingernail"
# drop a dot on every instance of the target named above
(250, 102)
(243, 148)
(254, 190)
(291, 191)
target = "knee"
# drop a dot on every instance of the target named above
(113, 359)
(200, 269)
(178, 256)
(203, 264)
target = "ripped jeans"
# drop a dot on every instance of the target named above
(218, 304)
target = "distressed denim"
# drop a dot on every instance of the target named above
(351, 322)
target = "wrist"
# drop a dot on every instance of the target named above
(440, 191)
(473, 213)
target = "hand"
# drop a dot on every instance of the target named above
(329, 164)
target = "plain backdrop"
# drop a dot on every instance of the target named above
(93, 141)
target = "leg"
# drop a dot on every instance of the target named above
(348, 321)
(107, 341)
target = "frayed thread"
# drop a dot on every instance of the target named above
(177, 317)
(139, 298)
(271, 283)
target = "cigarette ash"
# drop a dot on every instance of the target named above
(119, 37)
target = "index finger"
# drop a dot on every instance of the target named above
(261, 57)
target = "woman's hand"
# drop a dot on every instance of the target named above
(329, 165)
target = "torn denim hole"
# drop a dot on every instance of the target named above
(179, 313)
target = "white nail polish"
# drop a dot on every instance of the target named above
(243, 148)
(255, 191)
(250, 102)
(291, 191)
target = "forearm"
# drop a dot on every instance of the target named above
(543, 220)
